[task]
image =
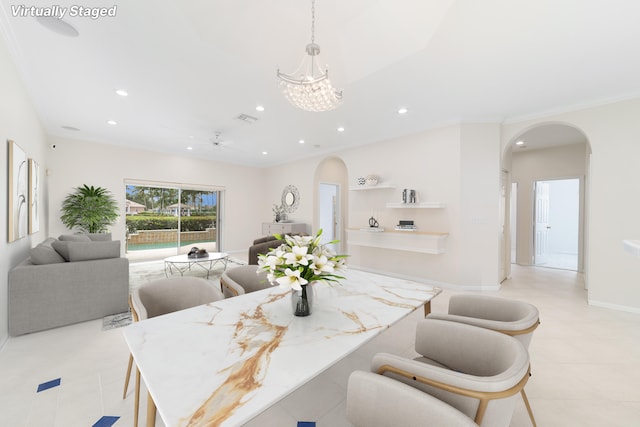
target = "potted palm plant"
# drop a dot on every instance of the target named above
(89, 209)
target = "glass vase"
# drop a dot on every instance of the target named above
(302, 301)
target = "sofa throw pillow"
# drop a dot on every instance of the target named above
(85, 251)
(100, 237)
(45, 254)
(74, 238)
(62, 248)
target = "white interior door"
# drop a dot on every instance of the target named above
(558, 223)
(329, 212)
(542, 227)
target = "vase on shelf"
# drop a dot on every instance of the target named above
(372, 179)
(302, 301)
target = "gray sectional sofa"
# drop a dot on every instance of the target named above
(71, 279)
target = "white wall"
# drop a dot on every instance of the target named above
(479, 255)
(455, 165)
(74, 163)
(18, 122)
(428, 162)
(613, 132)
(300, 174)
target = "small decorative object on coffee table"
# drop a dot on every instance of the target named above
(299, 263)
(182, 263)
(197, 253)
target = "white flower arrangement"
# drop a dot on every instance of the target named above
(300, 261)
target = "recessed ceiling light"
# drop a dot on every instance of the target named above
(264, 153)
(189, 148)
(301, 141)
(340, 129)
(402, 110)
(259, 108)
(520, 143)
(122, 92)
(112, 122)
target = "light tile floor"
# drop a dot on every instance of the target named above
(585, 364)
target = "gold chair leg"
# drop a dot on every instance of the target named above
(427, 308)
(136, 405)
(151, 411)
(126, 380)
(526, 403)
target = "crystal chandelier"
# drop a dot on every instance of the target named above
(308, 87)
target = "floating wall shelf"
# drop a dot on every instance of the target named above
(423, 205)
(412, 241)
(371, 187)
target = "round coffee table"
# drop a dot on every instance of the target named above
(182, 263)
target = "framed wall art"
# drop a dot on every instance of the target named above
(17, 191)
(34, 193)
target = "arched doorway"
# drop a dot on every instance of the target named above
(330, 199)
(535, 158)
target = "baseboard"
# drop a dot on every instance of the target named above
(610, 306)
(443, 285)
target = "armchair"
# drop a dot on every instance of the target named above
(511, 317)
(377, 401)
(160, 297)
(262, 246)
(243, 279)
(516, 318)
(475, 370)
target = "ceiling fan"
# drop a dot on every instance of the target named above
(218, 146)
(218, 142)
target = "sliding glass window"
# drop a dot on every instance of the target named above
(164, 221)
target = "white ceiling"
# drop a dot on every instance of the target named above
(191, 67)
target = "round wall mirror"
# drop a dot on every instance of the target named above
(290, 198)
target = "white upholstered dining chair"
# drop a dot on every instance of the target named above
(476, 370)
(518, 319)
(160, 297)
(377, 401)
(243, 279)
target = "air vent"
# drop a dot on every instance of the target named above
(247, 118)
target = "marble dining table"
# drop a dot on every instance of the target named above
(223, 363)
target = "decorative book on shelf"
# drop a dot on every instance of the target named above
(405, 228)
(372, 229)
(406, 225)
